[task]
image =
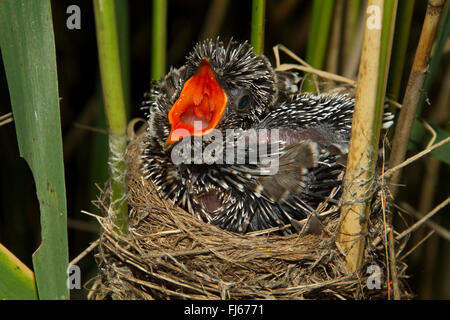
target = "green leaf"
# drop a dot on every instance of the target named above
(28, 50)
(17, 280)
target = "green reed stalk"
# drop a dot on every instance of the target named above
(159, 39)
(322, 13)
(405, 14)
(257, 29)
(109, 59)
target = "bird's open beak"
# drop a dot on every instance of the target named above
(200, 106)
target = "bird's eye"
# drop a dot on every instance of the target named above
(244, 101)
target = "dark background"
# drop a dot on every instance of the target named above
(83, 124)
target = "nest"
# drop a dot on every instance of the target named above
(169, 254)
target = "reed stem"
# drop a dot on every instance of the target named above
(406, 9)
(159, 39)
(318, 38)
(257, 29)
(359, 182)
(109, 60)
(414, 89)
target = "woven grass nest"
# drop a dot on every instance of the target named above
(168, 254)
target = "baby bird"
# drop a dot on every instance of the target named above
(231, 141)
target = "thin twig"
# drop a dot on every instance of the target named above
(424, 219)
(6, 116)
(320, 73)
(78, 224)
(430, 130)
(276, 52)
(89, 128)
(85, 252)
(94, 287)
(393, 103)
(5, 119)
(389, 172)
(131, 133)
(305, 67)
(417, 245)
(441, 231)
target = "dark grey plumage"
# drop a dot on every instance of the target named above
(313, 140)
(314, 133)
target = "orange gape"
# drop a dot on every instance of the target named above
(202, 101)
